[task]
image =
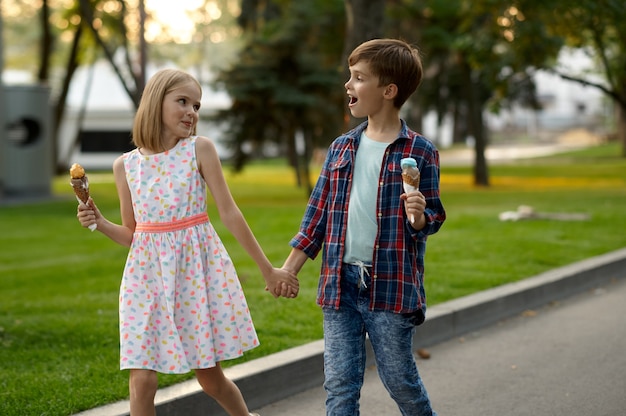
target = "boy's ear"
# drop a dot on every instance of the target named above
(391, 91)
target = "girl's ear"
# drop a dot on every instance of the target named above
(391, 91)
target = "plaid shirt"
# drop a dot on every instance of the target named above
(398, 259)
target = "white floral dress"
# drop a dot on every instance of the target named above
(181, 304)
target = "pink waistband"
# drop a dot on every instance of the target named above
(162, 227)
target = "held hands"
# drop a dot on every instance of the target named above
(88, 214)
(283, 283)
(279, 282)
(414, 205)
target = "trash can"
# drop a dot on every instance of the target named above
(27, 158)
(2, 134)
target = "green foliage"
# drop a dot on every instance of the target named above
(59, 282)
(501, 43)
(598, 28)
(286, 80)
(21, 34)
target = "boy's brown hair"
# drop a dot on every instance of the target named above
(393, 61)
(147, 126)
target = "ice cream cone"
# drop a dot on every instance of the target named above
(413, 181)
(81, 189)
(410, 177)
(80, 184)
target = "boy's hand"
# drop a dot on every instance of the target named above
(414, 206)
(282, 283)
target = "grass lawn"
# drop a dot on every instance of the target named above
(59, 282)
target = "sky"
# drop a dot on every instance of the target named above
(176, 16)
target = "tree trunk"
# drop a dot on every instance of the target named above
(481, 172)
(87, 16)
(143, 51)
(459, 125)
(46, 44)
(59, 109)
(364, 21)
(308, 155)
(620, 114)
(292, 153)
(476, 125)
(621, 127)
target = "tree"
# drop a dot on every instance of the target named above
(22, 44)
(285, 86)
(476, 53)
(132, 74)
(46, 44)
(68, 37)
(107, 30)
(364, 21)
(597, 27)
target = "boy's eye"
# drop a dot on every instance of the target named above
(196, 107)
(182, 100)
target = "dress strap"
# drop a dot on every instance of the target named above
(162, 227)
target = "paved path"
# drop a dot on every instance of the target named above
(492, 354)
(567, 358)
(505, 153)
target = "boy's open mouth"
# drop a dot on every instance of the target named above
(353, 100)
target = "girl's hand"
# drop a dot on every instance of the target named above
(88, 214)
(283, 283)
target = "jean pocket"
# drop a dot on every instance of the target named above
(416, 318)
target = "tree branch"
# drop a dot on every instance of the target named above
(611, 93)
(88, 17)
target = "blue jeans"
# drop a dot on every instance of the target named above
(391, 336)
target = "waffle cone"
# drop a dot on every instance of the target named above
(79, 182)
(81, 188)
(413, 181)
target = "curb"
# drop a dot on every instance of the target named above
(281, 375)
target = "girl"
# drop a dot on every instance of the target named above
(181, 304)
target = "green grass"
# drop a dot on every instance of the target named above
(59, 282)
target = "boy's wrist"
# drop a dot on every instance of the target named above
(419, 223)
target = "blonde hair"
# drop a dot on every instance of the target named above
(148, 124)
(393, 61)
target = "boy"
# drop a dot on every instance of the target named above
(373, 254)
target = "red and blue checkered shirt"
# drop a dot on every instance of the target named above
(398, 260)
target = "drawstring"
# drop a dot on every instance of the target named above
(362, 270)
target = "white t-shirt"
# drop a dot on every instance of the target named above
(362, 221)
